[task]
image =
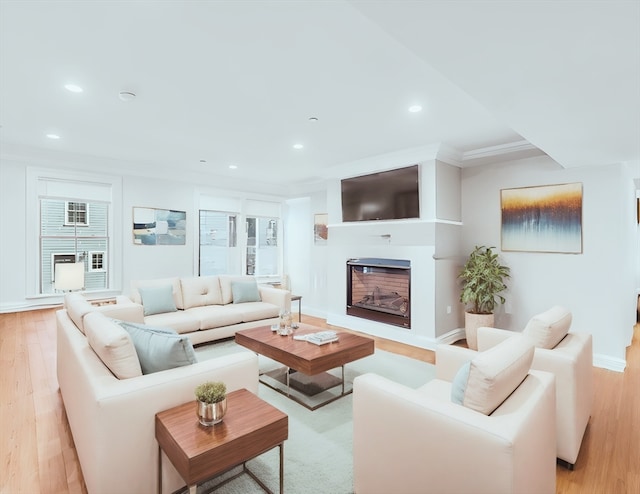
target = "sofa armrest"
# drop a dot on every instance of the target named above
(449, 359)
(276, 296)
(124, 309)
(490, 337)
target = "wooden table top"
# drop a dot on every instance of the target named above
(250, 427)
(303, 356)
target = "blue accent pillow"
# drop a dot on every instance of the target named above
(157, 299)
(245, 291)
(159, 349)
(459, 384)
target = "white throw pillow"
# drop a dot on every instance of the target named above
(546, 330)
(485, 382)
(113, 345)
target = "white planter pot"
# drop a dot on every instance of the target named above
(471, 324)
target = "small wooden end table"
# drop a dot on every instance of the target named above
(250, 428)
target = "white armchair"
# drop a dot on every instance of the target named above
(570, 359)
(417, 440)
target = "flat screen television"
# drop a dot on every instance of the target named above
(388, 195)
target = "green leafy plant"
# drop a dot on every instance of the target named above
(211, 392)
(482, 280)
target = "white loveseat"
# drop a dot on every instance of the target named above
(112, 420)
(421, 440)
(209, 308)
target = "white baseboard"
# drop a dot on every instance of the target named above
(609, 363)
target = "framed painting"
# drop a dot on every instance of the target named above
(159, 226)
(546, 218)
(320, 228)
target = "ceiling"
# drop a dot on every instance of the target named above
(222, 83)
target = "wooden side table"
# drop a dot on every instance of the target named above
(250, 428)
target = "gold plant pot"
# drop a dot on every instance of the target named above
(211, 413)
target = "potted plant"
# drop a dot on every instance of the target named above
(212, 402)
(482, 282)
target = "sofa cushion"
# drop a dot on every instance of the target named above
(157, 299)
(198, 291)
(113, 345)
(77, 307)
(493, 375)
(174, 282)
(216, 316)
(254, 311)
(159, 349)
(225, 286)
(180, 321)
(245, 291)
(546, 330)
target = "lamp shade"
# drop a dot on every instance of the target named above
(69, 276)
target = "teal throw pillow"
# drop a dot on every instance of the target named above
(459, 384)
(159, 349)
(245, 291)
(157, 299)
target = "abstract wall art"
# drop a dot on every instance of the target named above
(320, 229)
(159, 226)
(545, 218)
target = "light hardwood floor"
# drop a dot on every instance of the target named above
(38, 455)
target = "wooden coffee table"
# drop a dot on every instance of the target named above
(304, 376)
(250, 428)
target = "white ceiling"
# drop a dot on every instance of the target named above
(236, 82)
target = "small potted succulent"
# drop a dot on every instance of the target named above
(212, 402)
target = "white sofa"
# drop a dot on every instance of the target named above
(419, 440)
(569, 356)
(208, 308)
(113, 420)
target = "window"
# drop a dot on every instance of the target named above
(74, 230)
(262, 246)
(96, 261)
(218, 243)
(76, 213)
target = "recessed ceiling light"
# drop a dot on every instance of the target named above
(298, 146)
(313, 119)
(126, 95)
(203, 161)
(73, 88)
(415, 108)
(233, 167)
(53, 136)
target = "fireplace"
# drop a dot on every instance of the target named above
(379, 290)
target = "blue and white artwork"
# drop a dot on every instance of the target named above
(545, 218)
(159, 226)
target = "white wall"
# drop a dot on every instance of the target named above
(19, 227)
(13, 222)
(597, 285)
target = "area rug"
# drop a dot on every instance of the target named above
(318, 456)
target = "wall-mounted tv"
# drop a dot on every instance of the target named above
(388, 195)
